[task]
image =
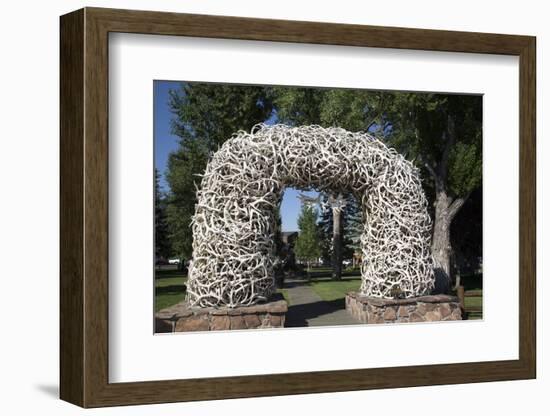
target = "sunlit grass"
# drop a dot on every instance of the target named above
(330, 290)
(169, 288)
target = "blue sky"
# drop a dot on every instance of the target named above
(165, 142)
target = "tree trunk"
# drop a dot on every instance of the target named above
(441, 239)
(445, 211)
(337, 244)
(441, 243)
(457, 281)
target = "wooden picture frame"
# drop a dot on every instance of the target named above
(84, 207)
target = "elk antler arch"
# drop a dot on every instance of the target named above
(235, 215)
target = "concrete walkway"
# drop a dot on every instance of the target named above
(308, 309)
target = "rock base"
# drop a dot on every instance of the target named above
(183, 318)
(421, 309)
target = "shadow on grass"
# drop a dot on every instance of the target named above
(298, 315)
(295, 283)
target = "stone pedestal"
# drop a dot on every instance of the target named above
(420, 309)
(183, 318)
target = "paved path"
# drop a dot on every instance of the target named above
(308, 309)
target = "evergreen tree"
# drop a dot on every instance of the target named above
(353, 227)
(325, 229)
(308, 246)
(162, 243)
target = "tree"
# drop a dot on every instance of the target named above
(353, 110)
(325, 225)
(337, 236)
(443, 134)
(353, 228)
(183, 166)
(307, 246)
(204, 117)
(342, 244)
(162, 243)
(298, 106)
(278, 249)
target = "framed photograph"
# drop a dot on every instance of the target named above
(255, 207)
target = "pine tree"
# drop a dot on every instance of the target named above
(163, 247)
(308, 246)
(325, 229)
(353, 227)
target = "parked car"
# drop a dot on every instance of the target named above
(173, 261)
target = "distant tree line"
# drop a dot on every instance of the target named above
(441, 133)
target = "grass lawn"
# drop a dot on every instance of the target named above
(473, 302)
(473, 282)
(169, 288)
(330, 290)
